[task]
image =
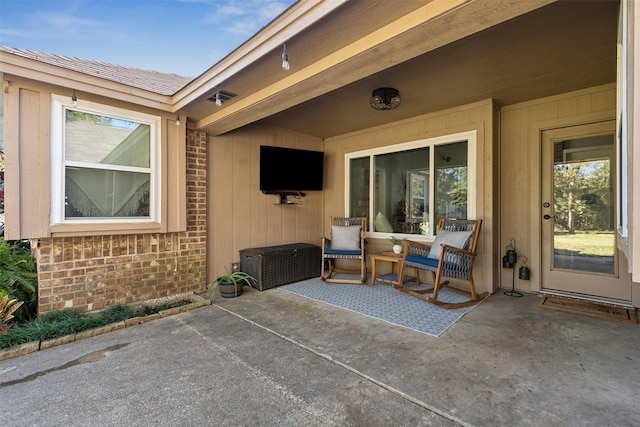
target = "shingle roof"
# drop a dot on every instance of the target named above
(153, 81)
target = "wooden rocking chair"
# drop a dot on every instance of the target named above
(450, 256)
(346, 241)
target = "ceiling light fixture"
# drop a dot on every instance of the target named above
(74, 99)
(285, 58)
(384, 98)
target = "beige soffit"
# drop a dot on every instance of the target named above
(400, 40)
(142, 87)
(297, 18)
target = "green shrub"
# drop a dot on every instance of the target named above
(7, 308)
(116, 313)
(18, 277)
(66, 322)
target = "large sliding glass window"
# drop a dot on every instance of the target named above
(406, 188)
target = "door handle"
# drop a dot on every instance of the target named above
(546, 216)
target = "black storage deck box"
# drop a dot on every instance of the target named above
(278, 265)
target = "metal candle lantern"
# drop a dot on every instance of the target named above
(509, 261)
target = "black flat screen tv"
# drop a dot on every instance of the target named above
(290, 170)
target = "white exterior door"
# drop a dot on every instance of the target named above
(579, 253)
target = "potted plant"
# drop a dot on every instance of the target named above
(230, 284)
(397, 244)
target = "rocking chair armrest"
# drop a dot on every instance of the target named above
(456, 258)
(457, 251)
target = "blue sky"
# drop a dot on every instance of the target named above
(185, 37)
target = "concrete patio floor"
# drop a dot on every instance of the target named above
(276, 359)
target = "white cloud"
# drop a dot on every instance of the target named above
(245, 28)
(198, 33)
(61, 21)
(244, 17)
(230, 10)
(271, 10)
(54, 25)
(11, 32)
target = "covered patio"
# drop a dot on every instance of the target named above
(500, 72)
(273, 358)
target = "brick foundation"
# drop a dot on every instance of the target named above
(93, 272)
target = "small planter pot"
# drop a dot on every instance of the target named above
(397, 249)
(229, 290)
(230, 284)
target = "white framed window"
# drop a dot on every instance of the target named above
(104, 164)
(404, 189)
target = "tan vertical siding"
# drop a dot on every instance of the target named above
(240, 216)
(174, 180)
(27, 163)
(520, 130)
(11, 162)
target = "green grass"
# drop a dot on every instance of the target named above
(591, 243)
(67, 322)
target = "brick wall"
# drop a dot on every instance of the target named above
(93, 272)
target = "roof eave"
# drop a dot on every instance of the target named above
(397, 42)
(297, 18)
(46, 73)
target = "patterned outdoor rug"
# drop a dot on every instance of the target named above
(385, 303)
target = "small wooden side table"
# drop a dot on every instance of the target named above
(391, 277)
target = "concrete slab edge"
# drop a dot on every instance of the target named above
(31, 347)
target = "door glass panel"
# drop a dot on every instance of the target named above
(583, 201)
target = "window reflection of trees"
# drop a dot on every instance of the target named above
(404, 193)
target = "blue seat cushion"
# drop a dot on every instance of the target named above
(431, 262)
(329, 251)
